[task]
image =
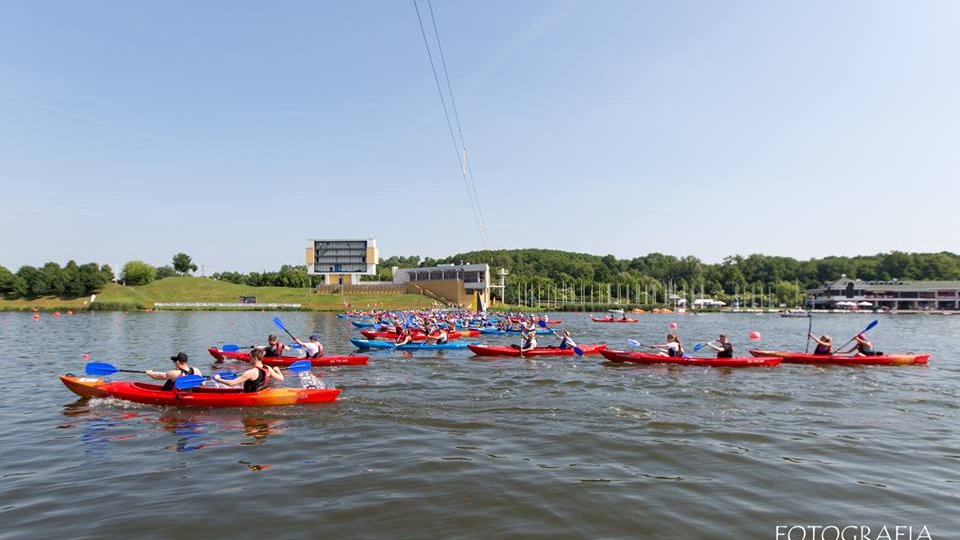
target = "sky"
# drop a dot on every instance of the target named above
(236, 131)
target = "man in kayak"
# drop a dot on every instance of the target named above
(671, 348)
(274, 348)
(824, 345)
(862, 346)
(438, 336)
(406, 336)
(313, 348)
(566, 342)
(181, 367)
(723, 347)
(257, 377)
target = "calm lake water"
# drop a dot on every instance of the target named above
(438, 445)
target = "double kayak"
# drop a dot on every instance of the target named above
(491, 350)
(376, 344)
(153, 394)
(363, 324)
(879, 360)
(283, 361)
(417, 336)
(646, 358)
(594, 319)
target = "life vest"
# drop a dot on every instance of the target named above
(274, 351)
(172, 383)
(822, 350)
(727, 351)
(259, 383)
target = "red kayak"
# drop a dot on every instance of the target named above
(645, 358)
(594, 319)
(153, 394)
(881, 360)
(417, 336)
(283, 361)
(490, 350)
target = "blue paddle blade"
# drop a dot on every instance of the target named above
(697, 347)
(230, 347)
(542, 323)
(100, 368)
(871, 325)
(188, 381)
(301, 365)
(296, 346)
(228, 375)
(578, 351)
(633, 342)
(279, 324)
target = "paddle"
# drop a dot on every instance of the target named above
(806, 350)
(103, 368)
(279, 324)
(865, 330)
(230, 347)
(185, 382)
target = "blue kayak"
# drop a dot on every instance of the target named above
(362, 324)
(376, 344)
(496, 332)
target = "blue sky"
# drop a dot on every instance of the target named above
(235, 131)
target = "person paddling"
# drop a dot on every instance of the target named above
(863, 346)
(181, 367)
(438, 336)
(313, 348)
(824, 345)
(566, 342)
(672, 348)
(723, 347)
(406, 336)
(528, 341)
(257, 377)
(274, 348)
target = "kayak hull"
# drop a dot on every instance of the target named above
(284, 361)
(491, 350)
(614, 320)
(376, 344)
(496, 332)
(152, 394)
(645, 358)
(882, 360)
(85, 387)
(417, 336)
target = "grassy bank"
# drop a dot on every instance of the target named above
(196, 289)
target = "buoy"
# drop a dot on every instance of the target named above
(86, 356)
(56, 314)
(754, 336)
(673, 326)
(36, 316)
(69, 312)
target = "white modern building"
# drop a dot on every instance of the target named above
(886, 295)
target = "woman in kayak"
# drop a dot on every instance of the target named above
(438, 336)
(723, 347)
(313, 348)
(672, 348)
(406, 336)
(529, 340)
(862, 346)
(566, 342)
(824, 345)
(181, 367)
(255, 378)
(274, 348)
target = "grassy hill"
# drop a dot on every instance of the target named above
(197, 289)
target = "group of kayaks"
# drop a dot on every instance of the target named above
(204, 396)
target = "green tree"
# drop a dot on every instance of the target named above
(138, 273)
(165, 272)
(183, 263)
(7, 281)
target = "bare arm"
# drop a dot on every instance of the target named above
(248, 375)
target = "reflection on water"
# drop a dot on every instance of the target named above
(100, 423)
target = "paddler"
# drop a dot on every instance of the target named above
(672, 348)
(406, 336)
(439, 336)
(274, 348)
(723, 347)
(181, 367)
(862, 345)
(313, 348)
(257, 377)
(529, 340)
(566, 342)
(824, 345)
